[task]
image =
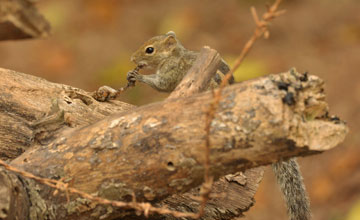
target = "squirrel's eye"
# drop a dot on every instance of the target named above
(149, 50)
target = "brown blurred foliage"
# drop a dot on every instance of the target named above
(92, 41)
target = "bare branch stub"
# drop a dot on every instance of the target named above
(198, 77)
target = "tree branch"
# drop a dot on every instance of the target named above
(80, 110)
(237, 197)
(199, 75)
(157, 150)
(27, 100)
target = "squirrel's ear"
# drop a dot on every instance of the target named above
(170, 39)
(172, 33)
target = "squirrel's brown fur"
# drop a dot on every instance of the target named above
(171, 62)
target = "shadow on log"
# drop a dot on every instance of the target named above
(156, 151)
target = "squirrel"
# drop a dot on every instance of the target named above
(171, 61)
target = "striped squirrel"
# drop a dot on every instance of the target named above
(171, 61)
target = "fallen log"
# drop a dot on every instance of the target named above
(156, 150)
(20, 90)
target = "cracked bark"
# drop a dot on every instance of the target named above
(156, 150)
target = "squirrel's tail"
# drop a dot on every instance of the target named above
(291, 183)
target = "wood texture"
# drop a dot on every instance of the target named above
(199, 75)
(26, 101)
(14, 201)
(156, 150)
(236, 197)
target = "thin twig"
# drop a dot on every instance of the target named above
(260, 30)
(129, 84)
(146, 208)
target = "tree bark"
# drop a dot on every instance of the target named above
(237, 190)
(26, 101)
(19, 19)
(156, 151)
(239, 196)
(198, 77)
(14, 201)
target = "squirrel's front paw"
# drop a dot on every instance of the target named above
(132, 76)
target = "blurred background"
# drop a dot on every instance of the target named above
(92, 41)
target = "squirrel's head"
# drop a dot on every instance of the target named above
(155, 50)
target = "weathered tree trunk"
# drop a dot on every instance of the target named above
(239, 194)
(26, 100)
(155, 151)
